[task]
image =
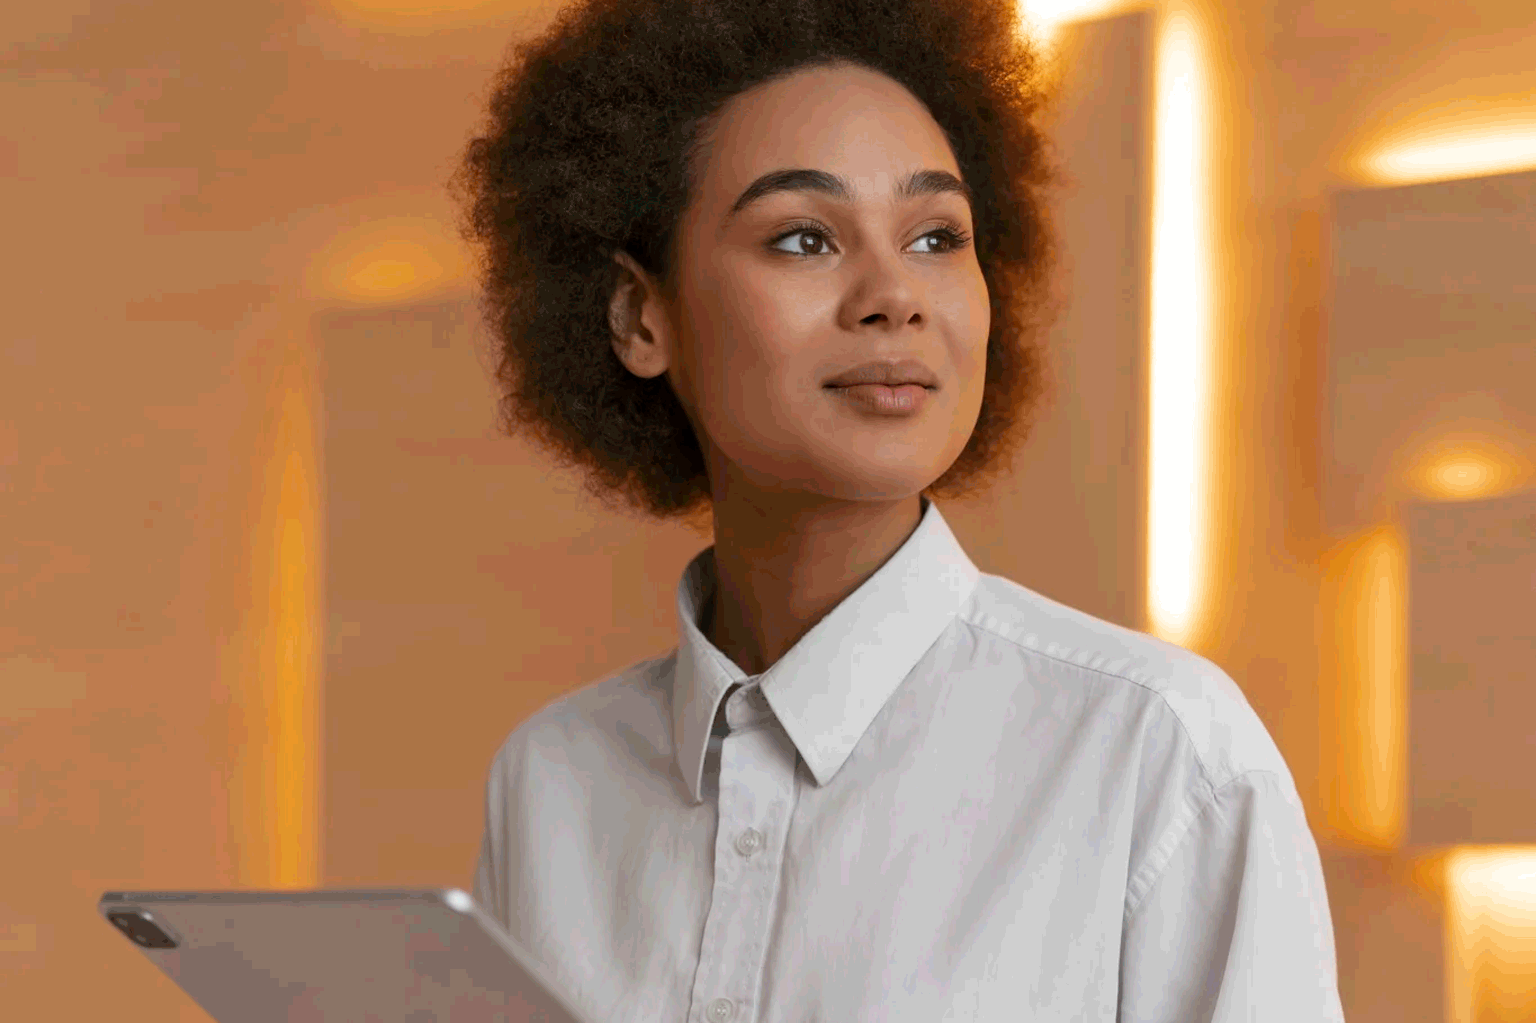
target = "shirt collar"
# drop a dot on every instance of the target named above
(829, 686)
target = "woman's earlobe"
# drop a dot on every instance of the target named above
(637, 351)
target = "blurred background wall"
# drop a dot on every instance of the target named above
(274, 589)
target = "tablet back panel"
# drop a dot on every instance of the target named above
(355, 956)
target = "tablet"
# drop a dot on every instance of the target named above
(340, 956)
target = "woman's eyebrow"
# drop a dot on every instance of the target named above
(918, 183)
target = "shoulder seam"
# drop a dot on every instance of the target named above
(1162, 854)
(1205, 771)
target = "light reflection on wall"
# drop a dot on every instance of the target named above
(1491, 934)
(1366, 618)
(372, 260)
(279, 751)
(1492, 138)
(389, 259)
(1468, 467)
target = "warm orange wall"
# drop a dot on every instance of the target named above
(469, 583)
(127, 553)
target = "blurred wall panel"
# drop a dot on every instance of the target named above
(1472, 643)
(1389, 935)
(124, 587)
(1431, 345)
(1428, 456)
(469, 582)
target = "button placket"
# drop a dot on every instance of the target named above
(757, 787)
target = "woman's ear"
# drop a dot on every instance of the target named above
(637, 318)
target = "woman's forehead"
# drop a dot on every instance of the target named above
(855, 124)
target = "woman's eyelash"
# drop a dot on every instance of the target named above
(954, 238)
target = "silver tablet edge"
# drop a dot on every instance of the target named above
(455, 899)
(237, 896)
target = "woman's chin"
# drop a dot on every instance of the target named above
(872, 481)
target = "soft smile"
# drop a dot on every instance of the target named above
(884, 399)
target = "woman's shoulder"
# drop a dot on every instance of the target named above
(1210, 712)
(631, 701)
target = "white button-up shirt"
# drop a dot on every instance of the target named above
(952, 799)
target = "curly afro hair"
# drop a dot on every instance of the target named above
(598, 128)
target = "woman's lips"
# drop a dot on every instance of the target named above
(883, 399)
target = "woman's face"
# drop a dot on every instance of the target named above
(778, 296)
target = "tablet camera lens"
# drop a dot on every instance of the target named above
(143, 930)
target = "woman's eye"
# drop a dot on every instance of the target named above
(948, 239)
(801, 249)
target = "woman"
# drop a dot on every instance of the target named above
(785, 261)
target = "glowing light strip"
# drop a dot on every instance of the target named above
(1373, 692)
(288, 801)
(1180, 329)
(1181, 305)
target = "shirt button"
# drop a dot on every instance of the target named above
(720, 1010)
(749, 841)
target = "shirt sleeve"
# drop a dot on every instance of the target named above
(1235, 924)
(488, 893)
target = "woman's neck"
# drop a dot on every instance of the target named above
(778, 573)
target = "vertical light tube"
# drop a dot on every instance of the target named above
(1371, 742)
(283, 821)
(1177, 527)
